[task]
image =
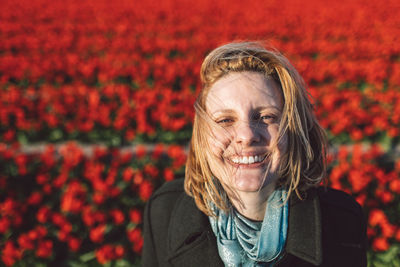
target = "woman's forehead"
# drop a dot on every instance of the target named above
(243, 90)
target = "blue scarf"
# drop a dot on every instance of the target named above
(242, 242)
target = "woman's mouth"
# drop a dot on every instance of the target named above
(247, 161)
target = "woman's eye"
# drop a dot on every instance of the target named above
(224, 121)
(268, 118)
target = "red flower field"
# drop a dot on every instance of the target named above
(125, 73)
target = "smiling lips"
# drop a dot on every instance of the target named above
(246, 160)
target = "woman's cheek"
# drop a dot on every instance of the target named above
(219, 142)
(280, 148)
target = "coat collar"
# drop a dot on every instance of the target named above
(190, 229)
(191, 241)
(304, 238)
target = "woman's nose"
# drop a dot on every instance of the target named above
(246, 133)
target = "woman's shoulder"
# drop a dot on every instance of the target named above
(165, 197)
(338, 200)
(343, 228)
(169, 188)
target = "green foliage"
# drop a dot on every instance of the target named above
(389, 258)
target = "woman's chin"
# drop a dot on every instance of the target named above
(252, 184)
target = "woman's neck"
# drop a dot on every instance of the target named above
(252, 205)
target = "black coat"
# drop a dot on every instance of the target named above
(325, 229)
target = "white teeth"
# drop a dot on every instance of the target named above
(247, 160)
(251, 159)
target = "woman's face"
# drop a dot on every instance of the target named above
(246, 108)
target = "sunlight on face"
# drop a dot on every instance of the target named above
(246, 108)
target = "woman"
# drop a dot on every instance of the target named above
(251, 194)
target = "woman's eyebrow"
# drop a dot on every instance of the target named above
(267, 107)
(223, 111)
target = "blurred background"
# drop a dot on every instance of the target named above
(96, 109)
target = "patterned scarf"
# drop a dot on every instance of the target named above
(242, 242)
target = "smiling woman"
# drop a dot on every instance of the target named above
(252, 194)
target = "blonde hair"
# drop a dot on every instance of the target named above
(303, 163)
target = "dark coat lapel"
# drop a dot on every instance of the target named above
(304, 231)
(191, 241)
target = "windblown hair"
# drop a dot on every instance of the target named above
(301, 166)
